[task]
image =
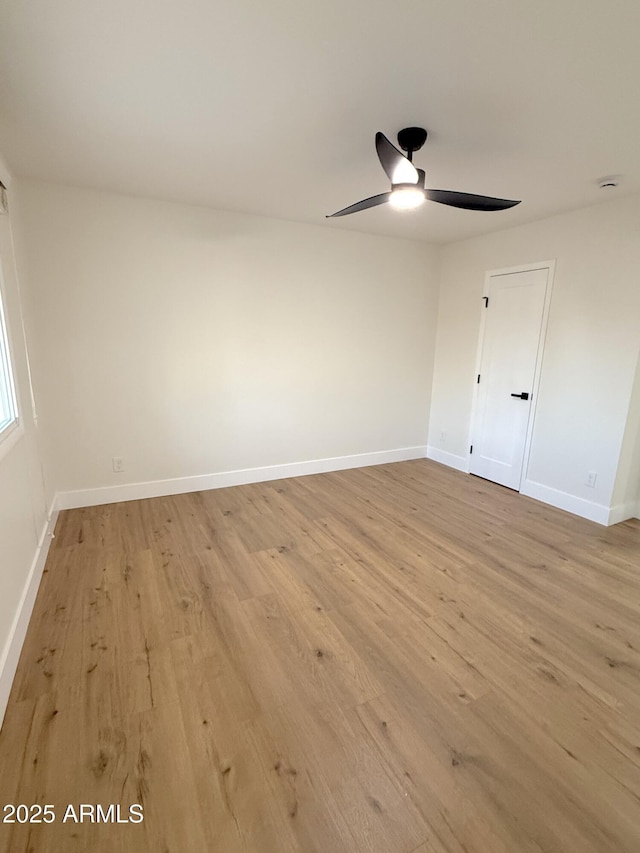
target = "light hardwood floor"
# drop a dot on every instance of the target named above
(400, 659)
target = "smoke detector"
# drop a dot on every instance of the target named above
(609, 181)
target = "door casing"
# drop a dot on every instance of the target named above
(550, 266)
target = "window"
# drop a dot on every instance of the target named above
(8, 408)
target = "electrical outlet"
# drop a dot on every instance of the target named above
(443, 437)
(118, 464)
(591, 479)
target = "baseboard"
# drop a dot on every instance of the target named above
(622, 512)
(13, 646)
(460, 463)
(224, 479)
(563, 500)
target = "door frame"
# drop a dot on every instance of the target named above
(550, 266)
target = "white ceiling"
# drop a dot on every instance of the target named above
(271, 107)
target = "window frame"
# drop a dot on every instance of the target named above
(12, 428)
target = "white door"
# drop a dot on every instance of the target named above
(510, 351)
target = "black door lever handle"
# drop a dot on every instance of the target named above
(523, 396)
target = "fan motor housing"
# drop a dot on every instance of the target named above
(412, 138)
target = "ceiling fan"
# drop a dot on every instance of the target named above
(408, 183)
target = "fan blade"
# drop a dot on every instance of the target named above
(373, 201)
(399, 170)
(469, 201)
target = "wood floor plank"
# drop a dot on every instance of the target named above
(397, 659)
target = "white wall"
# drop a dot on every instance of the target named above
(190, 341)
(626, 494)
(591, 351)
(22, 506)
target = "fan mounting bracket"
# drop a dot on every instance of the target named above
(412, 139)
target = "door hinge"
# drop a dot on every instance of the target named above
(486, 301)
(471, 449)
(478, 379)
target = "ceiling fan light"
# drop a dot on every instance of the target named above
(406, 198)
(405, 173)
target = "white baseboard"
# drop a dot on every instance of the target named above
(460, 463)
(622, 512)
(554, 497)
(203, 482)
(11, 652)
(563, 500)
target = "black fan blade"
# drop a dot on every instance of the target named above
(469, 201)
(399, 170)
(362, 205)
